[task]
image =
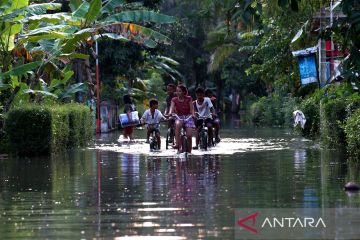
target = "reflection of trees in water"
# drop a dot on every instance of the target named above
(190, 185)
(193, 182)
(182, 181)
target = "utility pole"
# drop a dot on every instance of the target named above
(322, 51)
(98, 119)
(331, 41)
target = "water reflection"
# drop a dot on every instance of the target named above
(108, 194)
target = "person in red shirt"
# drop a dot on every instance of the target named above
(182, 105)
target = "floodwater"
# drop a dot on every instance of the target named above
(116, 190)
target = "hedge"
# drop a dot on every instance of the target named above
(311, 109)
(273, 111)
(352, 133)
(332, 115)
(40, 129)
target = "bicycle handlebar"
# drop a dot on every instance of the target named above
(203, 117)
(177, 117)
(156, 123)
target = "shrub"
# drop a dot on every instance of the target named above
(289, 105)
(352, 133)
(257, 110)
(273, 111)
(80, 121)
(311, 110)
(267, 111)
(353, 103)
(29, 130)
(332, 115)
(37, 130)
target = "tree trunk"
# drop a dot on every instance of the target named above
(234, 101)
(219, 84)
(10, 100)
(79, 73)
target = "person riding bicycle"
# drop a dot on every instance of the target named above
(182, 105)
(171, 93)
(216, 120)
(204, 108)
(152, 118)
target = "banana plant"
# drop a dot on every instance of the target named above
(68, 36)
(16, 64)
(57, 39)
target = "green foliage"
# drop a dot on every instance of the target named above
(289, 105)
(50, 41)
(311, 110)
(273, 111)
(347, 33)
(29, 130)
(42, 129)
(332, 115)
(60, 128)
(257, 110)
(80, 122)
(352, 132)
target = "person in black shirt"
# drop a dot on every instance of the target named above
(216, 123)
(170, 89)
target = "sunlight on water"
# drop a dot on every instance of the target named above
(226, 146)
(151, 237)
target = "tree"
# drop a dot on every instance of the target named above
(57, 39)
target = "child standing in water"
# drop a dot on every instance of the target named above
(128, 108)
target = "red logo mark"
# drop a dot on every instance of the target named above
(253, 217)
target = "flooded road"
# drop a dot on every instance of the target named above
(114, 190)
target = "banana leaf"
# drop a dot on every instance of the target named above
(93, 12)
(82, 10)
(21, 70)
(133, 30)
(112, 36)
(111, 5)
(72, 89)
(45, 93)
(4, 86)
(138, 16)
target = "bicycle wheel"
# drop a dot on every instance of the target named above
(168, 137)
(172, 135)
(152, 145)
(184, 143)
(204, 140)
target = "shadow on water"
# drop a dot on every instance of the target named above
(110, 191)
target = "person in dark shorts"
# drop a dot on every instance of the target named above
(216, 120)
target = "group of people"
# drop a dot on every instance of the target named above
(189, 113)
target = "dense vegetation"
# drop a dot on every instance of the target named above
(42, 129)
(240, 49)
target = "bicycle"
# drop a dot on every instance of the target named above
(183, 137)
(170, 135)
(203, 132)
(153, 141)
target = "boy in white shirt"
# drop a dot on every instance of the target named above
(204, 107)
(152, 118)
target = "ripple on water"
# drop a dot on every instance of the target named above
(227, 146)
